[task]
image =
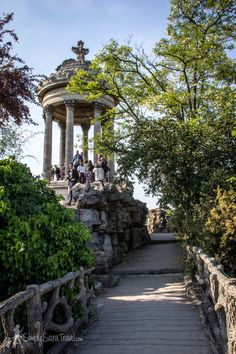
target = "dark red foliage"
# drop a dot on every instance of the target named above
(18, 85)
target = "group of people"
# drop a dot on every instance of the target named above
(56, 173)
(84, 171)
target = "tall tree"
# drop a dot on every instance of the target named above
(175, 109)
(18, 85)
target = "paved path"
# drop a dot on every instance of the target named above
(156, 258)
(148, 313)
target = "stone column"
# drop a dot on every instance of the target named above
(70, 106)
(62, 147)
(85, 129)
(47, 154)
(98, 107)
(111, 163)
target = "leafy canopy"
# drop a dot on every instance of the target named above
(174, 118)
(39, 238)
(18, 85)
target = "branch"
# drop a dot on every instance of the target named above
(125, 101)
(152, 74)
(188, 88)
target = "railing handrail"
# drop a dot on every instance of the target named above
(221, 289)
(36, 309)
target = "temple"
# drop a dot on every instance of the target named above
(69, 110)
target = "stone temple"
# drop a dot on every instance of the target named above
(69, 110)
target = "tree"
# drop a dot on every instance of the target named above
(175, 119)
(39, 238)
(175, 110)
(18, 85)
(13, 139)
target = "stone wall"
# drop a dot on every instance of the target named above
(117, 221)
(217, 294)
(154, 218)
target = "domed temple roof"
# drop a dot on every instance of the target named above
(66, 69)
(69, 66)
(69, 110)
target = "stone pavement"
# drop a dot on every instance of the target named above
(156, 258)
(148, 312)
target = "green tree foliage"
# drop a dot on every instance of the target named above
(220, 229)
(175, 110)
(188, 75)
(212, 225)
(39, 238)
(175, 113)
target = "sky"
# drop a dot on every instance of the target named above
(47, 29)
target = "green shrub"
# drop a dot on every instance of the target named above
(211, 225)
(39, 238)
(220, 228)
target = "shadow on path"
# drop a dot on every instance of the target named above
(147, 314)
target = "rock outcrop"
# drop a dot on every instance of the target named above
(156, 220)
(117, 221)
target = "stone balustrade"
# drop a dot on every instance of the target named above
(43, 334)
(217, 293)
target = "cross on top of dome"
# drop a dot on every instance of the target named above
(80, 51)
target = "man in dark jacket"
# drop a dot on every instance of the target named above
(72, 180)
(76, 159)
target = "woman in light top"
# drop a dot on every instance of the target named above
(99, 173)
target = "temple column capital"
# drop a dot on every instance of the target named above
(98, 108)
(49, 109)
(85, 127)
(70, 104)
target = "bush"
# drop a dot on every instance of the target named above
(39, 238)
(220, 228)
(212, 226)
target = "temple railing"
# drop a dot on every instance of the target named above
(54, 312)
(217, 293)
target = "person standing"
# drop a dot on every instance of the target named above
(72, 180)
(57, 172)
(105, 167)
(76, 159)
(52, 173)
(99, 173)
(81, 172)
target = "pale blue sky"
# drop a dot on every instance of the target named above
(47, 29)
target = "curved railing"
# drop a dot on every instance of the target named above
(218, 297)
(40, 314)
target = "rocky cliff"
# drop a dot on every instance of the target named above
(117, 221)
